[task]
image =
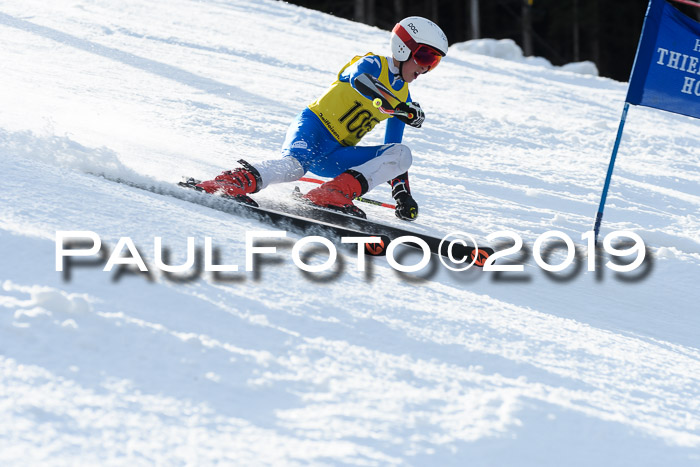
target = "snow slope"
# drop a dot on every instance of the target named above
(279, 367)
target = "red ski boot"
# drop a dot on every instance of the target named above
(337, 194)
(235, 183)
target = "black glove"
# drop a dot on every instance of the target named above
(406, 208)
(412, 108)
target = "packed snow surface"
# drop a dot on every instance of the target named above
(280, 367)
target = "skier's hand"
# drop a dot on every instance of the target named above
(413, 109)
(406, 208)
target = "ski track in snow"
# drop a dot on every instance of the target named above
(373, 368)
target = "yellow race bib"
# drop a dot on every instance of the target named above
(346, 113)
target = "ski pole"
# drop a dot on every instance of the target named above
(368, 85)
(378, 104)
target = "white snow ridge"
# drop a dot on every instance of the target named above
(282, 367)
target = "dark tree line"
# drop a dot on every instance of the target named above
(603, 31)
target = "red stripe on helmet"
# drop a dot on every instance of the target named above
(405, 37)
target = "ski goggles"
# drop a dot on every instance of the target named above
(422, 54)
(426, 56)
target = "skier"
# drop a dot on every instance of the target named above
(323, 138)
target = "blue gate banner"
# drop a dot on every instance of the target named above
(666, 72)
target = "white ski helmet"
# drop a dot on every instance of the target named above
(411, 33)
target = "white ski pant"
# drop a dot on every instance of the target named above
(392, 160)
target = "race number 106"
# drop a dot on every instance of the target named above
(628, 244)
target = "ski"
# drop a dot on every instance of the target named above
(250, 210)
(244, 206)
(307, 218)
(310, 220)
(437, 246)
